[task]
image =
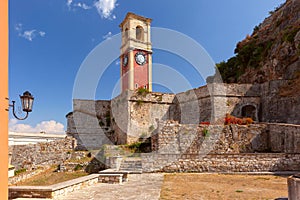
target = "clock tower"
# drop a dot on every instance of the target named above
(136, 53)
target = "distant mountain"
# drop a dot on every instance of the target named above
(271, 52)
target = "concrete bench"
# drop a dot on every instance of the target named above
(111, 178)
(111, 171)
(52, 191)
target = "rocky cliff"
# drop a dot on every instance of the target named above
(271, 52)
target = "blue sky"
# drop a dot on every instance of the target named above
(49, 39)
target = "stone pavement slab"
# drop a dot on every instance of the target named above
(139, 186)
(31, 199)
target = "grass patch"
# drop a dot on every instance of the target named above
(49, 177)
(81, 160)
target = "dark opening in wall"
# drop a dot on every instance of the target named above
(249, 111)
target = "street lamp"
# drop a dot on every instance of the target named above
(27, 102)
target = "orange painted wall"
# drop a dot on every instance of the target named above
(141, 72)
(3, 100)
(125, 76)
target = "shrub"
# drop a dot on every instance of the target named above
(139, 102)
(151, 128)
(290, 34)
(204, 123)
(101, 123)
(78, 167)
(249, 53)
(160, 98)
(19, 171)
(256, 28)
(142, 91)
(205, 132)
(230, 70)
(248, 121)
(229, 119)
(142, 146)
(135, 145)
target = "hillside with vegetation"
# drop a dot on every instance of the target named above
(271, 52)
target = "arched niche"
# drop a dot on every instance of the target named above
(139, 33)
(249, 110)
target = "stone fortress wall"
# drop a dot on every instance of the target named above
(31, 156)
(231, 148)
(136, 118)
(131, 116)
(221, 163)
(89, 123)
(175, 138)
(276, 107)
(126, 118)
(262, 146)
(179, 143)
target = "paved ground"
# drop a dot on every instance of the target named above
(139, 186)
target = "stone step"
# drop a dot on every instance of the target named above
(132, 165)
(134, 171)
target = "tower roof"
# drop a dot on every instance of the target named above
(131, 15)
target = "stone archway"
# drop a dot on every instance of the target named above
(249, 111)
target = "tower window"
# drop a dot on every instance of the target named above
(126, 33)
(139, 33)
(136, 86)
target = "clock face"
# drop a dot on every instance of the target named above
(125, 60)
(140, 58)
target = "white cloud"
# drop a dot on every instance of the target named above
(69, 3)
(18, 27)
(83, 6)
(12, 122)
(50, 127)
(105, 8)
(28, 34)
(107, 36)
(44, 126)
(42, 33)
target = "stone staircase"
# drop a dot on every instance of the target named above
(132, 165)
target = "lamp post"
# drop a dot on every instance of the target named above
(27, 102)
